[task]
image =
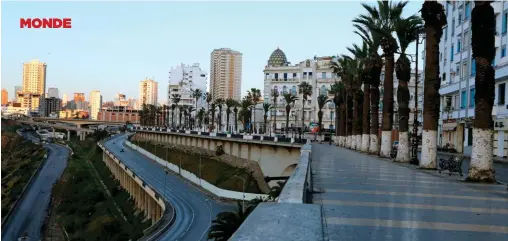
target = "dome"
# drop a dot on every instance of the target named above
(278, 58)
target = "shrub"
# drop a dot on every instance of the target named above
(219, 150)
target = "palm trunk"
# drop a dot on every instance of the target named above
(386, 140)
(320, 120)
(337, 127)
(349, 124)
(236, 121)
(358, 120)
(342, 125)
(404, 75)
(265, 119)
(287, 119)
(275, 116)
(483, 26)
(180, 120)
(227, 121)
(173, 119)
(433, 30)
(365, 119)
(303, 115)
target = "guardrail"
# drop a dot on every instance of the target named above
(299, 184)
(268, 139)
(168, 217)
(195, 179)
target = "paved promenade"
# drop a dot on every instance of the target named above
(368, 198)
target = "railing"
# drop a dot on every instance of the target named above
(299, 184)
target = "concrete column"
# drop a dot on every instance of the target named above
(149, 207)
(68, 135)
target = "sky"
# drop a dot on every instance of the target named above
(112, 46)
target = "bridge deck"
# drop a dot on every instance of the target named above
(368, 198)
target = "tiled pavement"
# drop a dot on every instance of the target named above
(368, 198)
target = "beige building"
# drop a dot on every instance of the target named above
(34, 77)
(226, 74)
(95, 104)
(5, 97)
(29, 100)
(148, 91)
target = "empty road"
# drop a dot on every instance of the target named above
(31, 212)
(194, 210)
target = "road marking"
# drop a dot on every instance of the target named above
(416, 206)
(417, 194)
(416, 225)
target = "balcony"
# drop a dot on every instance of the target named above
(288, 80)
(326, 80)
(449, 88)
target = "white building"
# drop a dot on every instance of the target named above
(183, 80)
(52, 93)
(411, 87)
(281, 76)
(148, 91)
(458, 78)
(64, 100)
(95, 104)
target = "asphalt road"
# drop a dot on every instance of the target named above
(194, 210)
(31, 212)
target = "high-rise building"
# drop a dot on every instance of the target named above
(64, 100)
(17, 89)
(53, 92)
(133, 103)
(79, 101)
(95, 104)
(120, 100)
(458, 72)
(5, 97)
(49, 107)
(34, 77)
(29, 100)
(183, 80)
(225, 74)
(148, 91)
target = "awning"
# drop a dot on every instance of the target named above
(449, 126)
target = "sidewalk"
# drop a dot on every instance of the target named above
(466, 156)
(365, 197)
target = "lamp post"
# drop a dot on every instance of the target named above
(243, 190)
(414, 148)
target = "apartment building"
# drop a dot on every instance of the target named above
(148, 93)
(49, 106)
(226, 74)
(183, 80)
(95, 104)
(34, 77)
(458, 71)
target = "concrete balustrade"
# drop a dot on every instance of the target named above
(274, 156)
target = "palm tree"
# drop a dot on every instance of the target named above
(226, 223)
(275, 96)
(176, 100)
(266, 107)
(373, 66)
(255, 96)
(340, 67)
(407, 30)
(208, 99)
(435, 18)
(219, 102)
(200, 115)
(229, 103)
(197, 94)
(173, 107)
(305, 90)
(181, 110)
(190, 109)
(212, 111)
(321, 100)
(290, 99)
(235, 111)
(383, 21)
(483, 25)
(245, 112)
(360, 125)
(337, 90)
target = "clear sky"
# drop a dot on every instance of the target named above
(114, 45)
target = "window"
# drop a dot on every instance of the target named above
(323, 75)
(471, 97)
(463, 100)
(276, 76)
(505, 20)
(458, 45)
(460, 16)
(451, 54)
(294, 75)
(500, 94)
(293, 90)
(465, 40)
(440, 56)
(465, 71)
(443, 78)
(323, 90)
(276, 89)
(310, 74)
(453, 26)
(304, 75)
(284, 90)
(468, 10)
(473, 66)
(456, 103)
(285, 76)
(503, 51)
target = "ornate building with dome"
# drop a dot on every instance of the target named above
(282, 77)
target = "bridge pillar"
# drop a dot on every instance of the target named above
(68, 135)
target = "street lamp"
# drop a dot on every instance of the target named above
(243, 190)
(414, 147)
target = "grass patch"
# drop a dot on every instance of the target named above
(212, 170)
(85, 209)
(20, 160)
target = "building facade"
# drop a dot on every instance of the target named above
(183, 80)
(79, 102)
(282, 77)
(5, 97)
(120, 100)
(95, 104)
(148, 91)
(226, 74)
(64, 100)
(119, 113)
(53, 92)
(458, 71)
(49, 107)
(17, 89)
(34, 77)
(30, 101)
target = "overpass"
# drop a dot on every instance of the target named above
(78, 122)
(80, 131)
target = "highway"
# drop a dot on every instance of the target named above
(194, 210)
(31, 212)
